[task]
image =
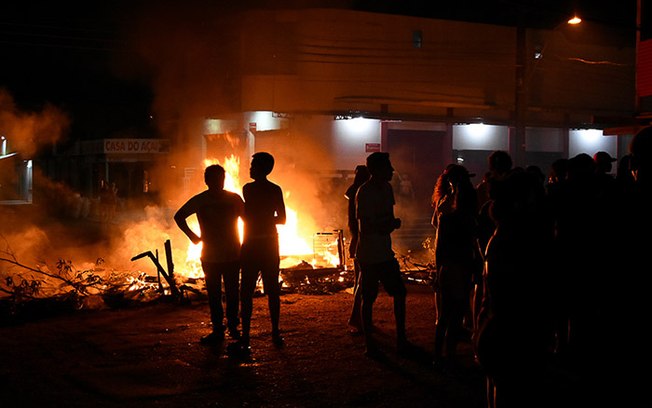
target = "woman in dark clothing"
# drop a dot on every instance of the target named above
(455, 206)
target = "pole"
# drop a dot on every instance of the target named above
(637, 99)
(517, 142)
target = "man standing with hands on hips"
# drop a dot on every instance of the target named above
(217, 212)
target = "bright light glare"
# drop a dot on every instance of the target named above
(574, 20)
(590, 135)
(478, 129)
(359, 126)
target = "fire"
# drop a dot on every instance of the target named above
(290, 242)
(295, 245)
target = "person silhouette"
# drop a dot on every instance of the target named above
(264, 208)
(361, 176)
(624, 178)
(515, 321)
(606, 182)
(217, 212)
(629, 288)
(112, 201)
(376, 220)
(105, 198)
(499, 163)
(455, 205)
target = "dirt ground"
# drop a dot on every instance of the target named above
(150, 356)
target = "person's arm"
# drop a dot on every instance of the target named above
(240, 205)
(370, 223)
(280, 217)
(381, 225)
(180, 218)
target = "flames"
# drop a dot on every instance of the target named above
(140, 231)
(295, 244)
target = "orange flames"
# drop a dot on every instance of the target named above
(295, 244)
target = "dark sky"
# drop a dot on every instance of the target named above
(66, 55)
(532, 13)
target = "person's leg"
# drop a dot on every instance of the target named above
(231, 276)
(441, 327)
(399, 317)
(355, 319)
(392, 281)
(491, 393)
(213, 280)
(272, 287)
(455, 326)
(247, 289)
(369, 289)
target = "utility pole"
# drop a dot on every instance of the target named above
(517, 137)
(637, 98)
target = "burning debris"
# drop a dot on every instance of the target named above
(326, 274)
(169, 275)
(50, 287)
(30, 292)
(305, 278)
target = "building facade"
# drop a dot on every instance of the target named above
(322, 88)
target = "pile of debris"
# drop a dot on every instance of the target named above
(28, 293)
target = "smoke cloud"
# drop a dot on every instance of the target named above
(29, 132)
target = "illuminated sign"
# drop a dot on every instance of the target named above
(135, 146)
(371, 147)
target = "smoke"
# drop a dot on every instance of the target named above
(29, 132)
(191, 59)
(191, 56)
(187, 56)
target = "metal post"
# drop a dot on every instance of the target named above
(517, 145)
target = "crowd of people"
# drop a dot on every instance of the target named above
(548, 276)
(557, 302)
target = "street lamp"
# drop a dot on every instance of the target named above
(517, 142)
(525, 73)
(574, 20)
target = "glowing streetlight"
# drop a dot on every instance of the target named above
(574, 20)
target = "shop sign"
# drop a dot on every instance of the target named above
(371, 147)
(135, 146)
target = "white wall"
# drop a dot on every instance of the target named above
(590, 141)
(350, 138)
(477, 136)
(347, 139)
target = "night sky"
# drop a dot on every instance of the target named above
(74, 57)
(66, 56)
